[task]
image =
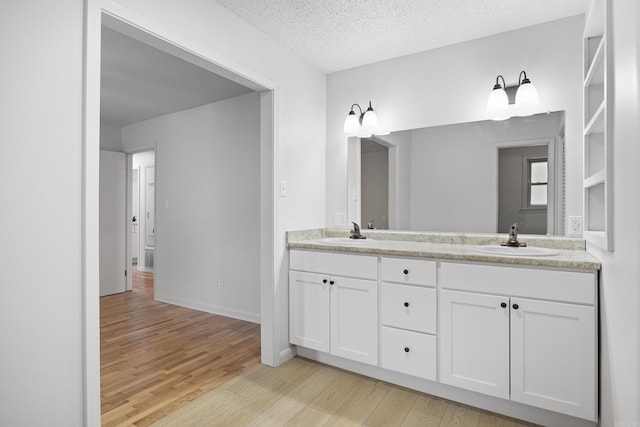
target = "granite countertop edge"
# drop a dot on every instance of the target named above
(449, 246)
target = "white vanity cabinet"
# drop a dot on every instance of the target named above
(408, 317)
(333, 304)
(523, 334)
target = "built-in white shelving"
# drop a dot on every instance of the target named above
(597, 167)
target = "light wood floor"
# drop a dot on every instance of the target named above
(156, 358)
(305, 393)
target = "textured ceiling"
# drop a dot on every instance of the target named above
(335, 35)
(140, 82)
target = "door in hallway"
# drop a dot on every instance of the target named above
(112, 222)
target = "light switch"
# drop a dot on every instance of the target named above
(283, 188)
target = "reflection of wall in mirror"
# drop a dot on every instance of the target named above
(452, 172)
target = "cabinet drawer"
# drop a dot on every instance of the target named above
(414, 271)
(554, 285)
(362, 266)
(408, 352)
(409, 307)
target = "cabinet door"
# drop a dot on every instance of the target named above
(474, 342)
(354, 319)
(309, 310)
(553, 356)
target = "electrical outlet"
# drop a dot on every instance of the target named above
(575, 225)
(220, 284)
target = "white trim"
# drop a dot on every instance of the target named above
(210, 308)
(90, 215)
(130, 22)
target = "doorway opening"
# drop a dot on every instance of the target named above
(142, 235)
(374, 184)
(255, 170)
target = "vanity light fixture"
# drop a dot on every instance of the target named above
(502, 96)
(366, 123)
(527, 93)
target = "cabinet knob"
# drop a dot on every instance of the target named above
(515, 306)
(406, 349)
(331, 282)
(324, 280)
(503, 305)
(406, 304)
(406, 271)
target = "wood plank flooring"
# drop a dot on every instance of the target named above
(304, 393)
(157, 357)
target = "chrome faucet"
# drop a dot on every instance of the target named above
(355, 233)
(513, 238)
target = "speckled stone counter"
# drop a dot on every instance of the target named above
(450, 246)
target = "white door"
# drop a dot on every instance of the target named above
(113, 225)
(135, 216)
(354, 319)
(149, 206)
(309, 310)
(474, 342)
(553, 356)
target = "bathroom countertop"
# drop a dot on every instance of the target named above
(450, 246)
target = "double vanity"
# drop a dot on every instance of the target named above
(511, 330)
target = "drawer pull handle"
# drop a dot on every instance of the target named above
(324, 280)
(406, 304)
(331, 282)
(406, 271)
(503, 305)
(516, 306)
(406, 349)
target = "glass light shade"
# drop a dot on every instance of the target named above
(370, 120)
(527, 94)
(351, 123)
(497, 101)
(364, 134)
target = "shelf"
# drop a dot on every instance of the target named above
(597, 167)
(595, 179)
(596, 124)
(595, 70)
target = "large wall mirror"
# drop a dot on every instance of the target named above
(475, 177)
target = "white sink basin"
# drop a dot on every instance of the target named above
(347, 241)
(512, 251)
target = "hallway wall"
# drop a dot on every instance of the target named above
(207, 205)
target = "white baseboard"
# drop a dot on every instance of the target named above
(209, 308)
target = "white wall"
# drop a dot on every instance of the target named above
(110, 137)
(451, 85)
(454, 171)
(40, 214)
(620, 276)
(207, 171)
